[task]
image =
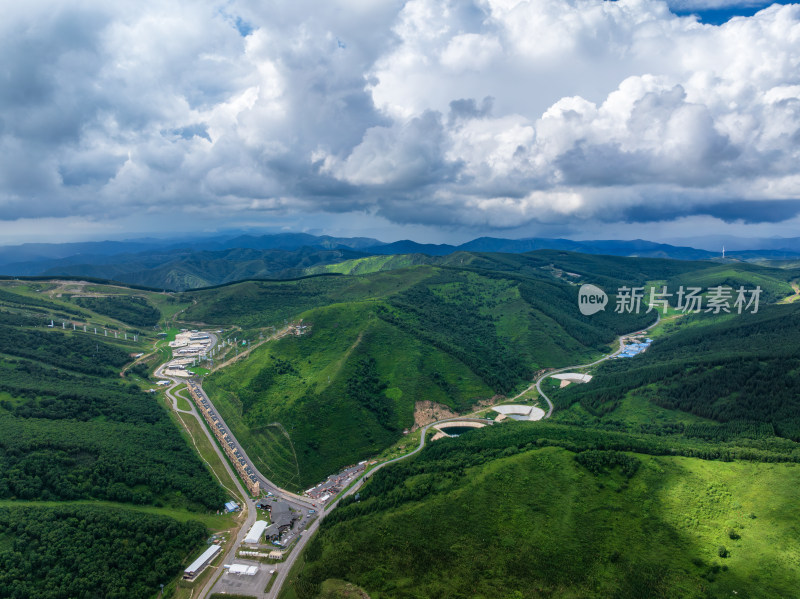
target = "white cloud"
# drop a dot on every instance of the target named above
(470, 51)
(493, 113)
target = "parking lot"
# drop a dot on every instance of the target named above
(242, 584)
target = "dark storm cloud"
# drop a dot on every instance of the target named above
(744, 211)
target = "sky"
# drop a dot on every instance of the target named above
(433, 120)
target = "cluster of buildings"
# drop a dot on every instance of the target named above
(225, 440)
(335, 483)
(634, 346)
(283, 518)
(191, 343)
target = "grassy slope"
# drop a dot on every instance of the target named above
(372, 264)
(446, 335)
(538, 524)
(327, 428)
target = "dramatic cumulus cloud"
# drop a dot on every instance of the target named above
(491, 114)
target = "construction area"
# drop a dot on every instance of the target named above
(633, 346)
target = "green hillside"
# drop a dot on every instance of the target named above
(774, 282)
(134, 311)
(610, 272)
(343, 391)
(254, 304)
(669, 475)
(743, 370)
(379, 343)
(370, 264)
(72, 430)
(453, 335)
(491, 515)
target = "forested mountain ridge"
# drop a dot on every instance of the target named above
(196, 262)
(743, 368)
(448, 334)
(182, 269)
(82, 449)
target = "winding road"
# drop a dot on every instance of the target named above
(603, 359)
(286, 566)
(304, 536)
(248, 511)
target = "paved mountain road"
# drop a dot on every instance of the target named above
(603, 359)
(284, 568)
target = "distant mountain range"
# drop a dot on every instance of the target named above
(636, 247)
(197, 262)
(14, 259)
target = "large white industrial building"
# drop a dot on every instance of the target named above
(255, 532)
(201, 562)
(242, 569)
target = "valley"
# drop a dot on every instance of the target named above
(425, 299)
(319, 374)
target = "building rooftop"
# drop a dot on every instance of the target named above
(203, 559)
(255, 532)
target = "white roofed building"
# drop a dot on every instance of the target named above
(255, 532)
(242, 569)
(201, 562)
(573, 377)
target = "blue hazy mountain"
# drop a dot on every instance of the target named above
(198, 261)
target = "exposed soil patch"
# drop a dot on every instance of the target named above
(426, 412)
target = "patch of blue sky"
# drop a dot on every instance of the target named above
(719, 16)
